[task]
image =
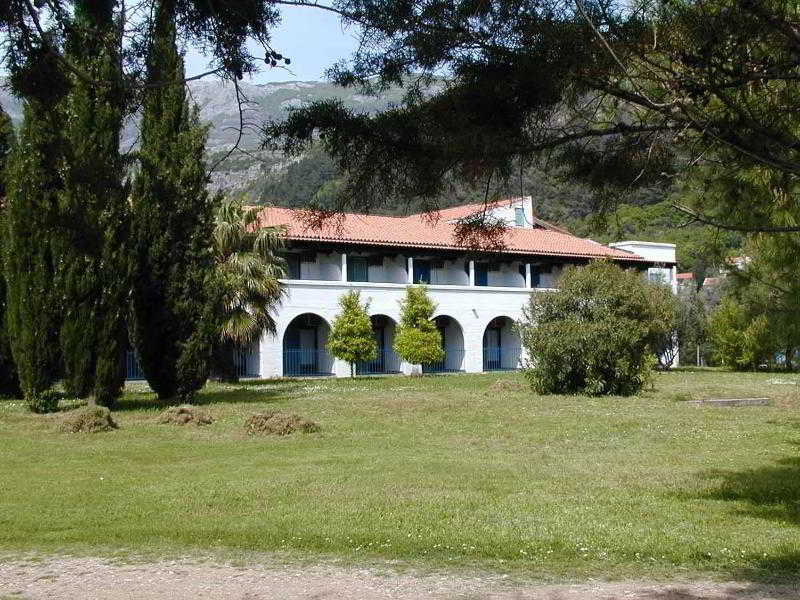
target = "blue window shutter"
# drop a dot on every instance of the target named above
(357, 269)
(481, 274)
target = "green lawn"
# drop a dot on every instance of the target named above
(429, 471)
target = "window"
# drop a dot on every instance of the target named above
(293, 266)
(658, 276)
(536, 277)
(481, 274)
(519, 217)
(357, 268)
(422, 271)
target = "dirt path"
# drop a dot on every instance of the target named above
(98, 579)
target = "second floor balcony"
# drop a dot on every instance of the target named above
(405, 269)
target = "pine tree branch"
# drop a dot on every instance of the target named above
(697, 217)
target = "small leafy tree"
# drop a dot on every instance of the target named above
(741, 341)
(417, 340)
(351, 337)
(665, 344)
(597, 335)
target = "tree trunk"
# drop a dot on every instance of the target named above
(225, 363)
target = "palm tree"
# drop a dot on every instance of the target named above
(248, 269)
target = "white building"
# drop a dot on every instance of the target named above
(479, 294)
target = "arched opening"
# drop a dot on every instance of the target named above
(305, 351)
(452, 344)
(383, 328)
(501, 345)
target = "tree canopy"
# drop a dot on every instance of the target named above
(621, 93)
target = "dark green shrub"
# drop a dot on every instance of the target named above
(597, 334)
(44, 402)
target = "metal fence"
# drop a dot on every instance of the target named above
(301, 361)
(386, 362)
(495, 358)
(452, 363)
(133, 371)
(492, 358)
(247, 362)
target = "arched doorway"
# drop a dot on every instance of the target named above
(305, 344)
(501, 345)
(383, 328)
(453, 345)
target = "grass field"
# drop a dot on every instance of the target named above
(431, 471)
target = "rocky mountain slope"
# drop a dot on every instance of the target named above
(249, 170)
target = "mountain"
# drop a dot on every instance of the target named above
(245, 171)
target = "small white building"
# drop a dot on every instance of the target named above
(479, 294)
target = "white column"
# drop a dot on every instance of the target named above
(528, 275)
(410, 269)
(270, 356)
(344, 266)
(472, 273)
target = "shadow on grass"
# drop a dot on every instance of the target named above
(231, 395)
(769, 492)
(772, 493)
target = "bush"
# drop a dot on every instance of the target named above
(278, 423)
(597, 334)
(91, 419)
(45, 402)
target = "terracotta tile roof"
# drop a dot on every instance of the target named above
(685, 276)
(416, 231)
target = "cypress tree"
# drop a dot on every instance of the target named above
(9, 381)
(33, 309)
(92, 277)
(173, 324)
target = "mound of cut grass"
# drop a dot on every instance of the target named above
(91, 419)
(183, 415)
(278, 423)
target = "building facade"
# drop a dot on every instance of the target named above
(479, 294)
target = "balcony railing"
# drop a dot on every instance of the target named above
(386, 362)
(302, 362)
(452, 363)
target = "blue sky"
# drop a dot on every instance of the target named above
(313, 39)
